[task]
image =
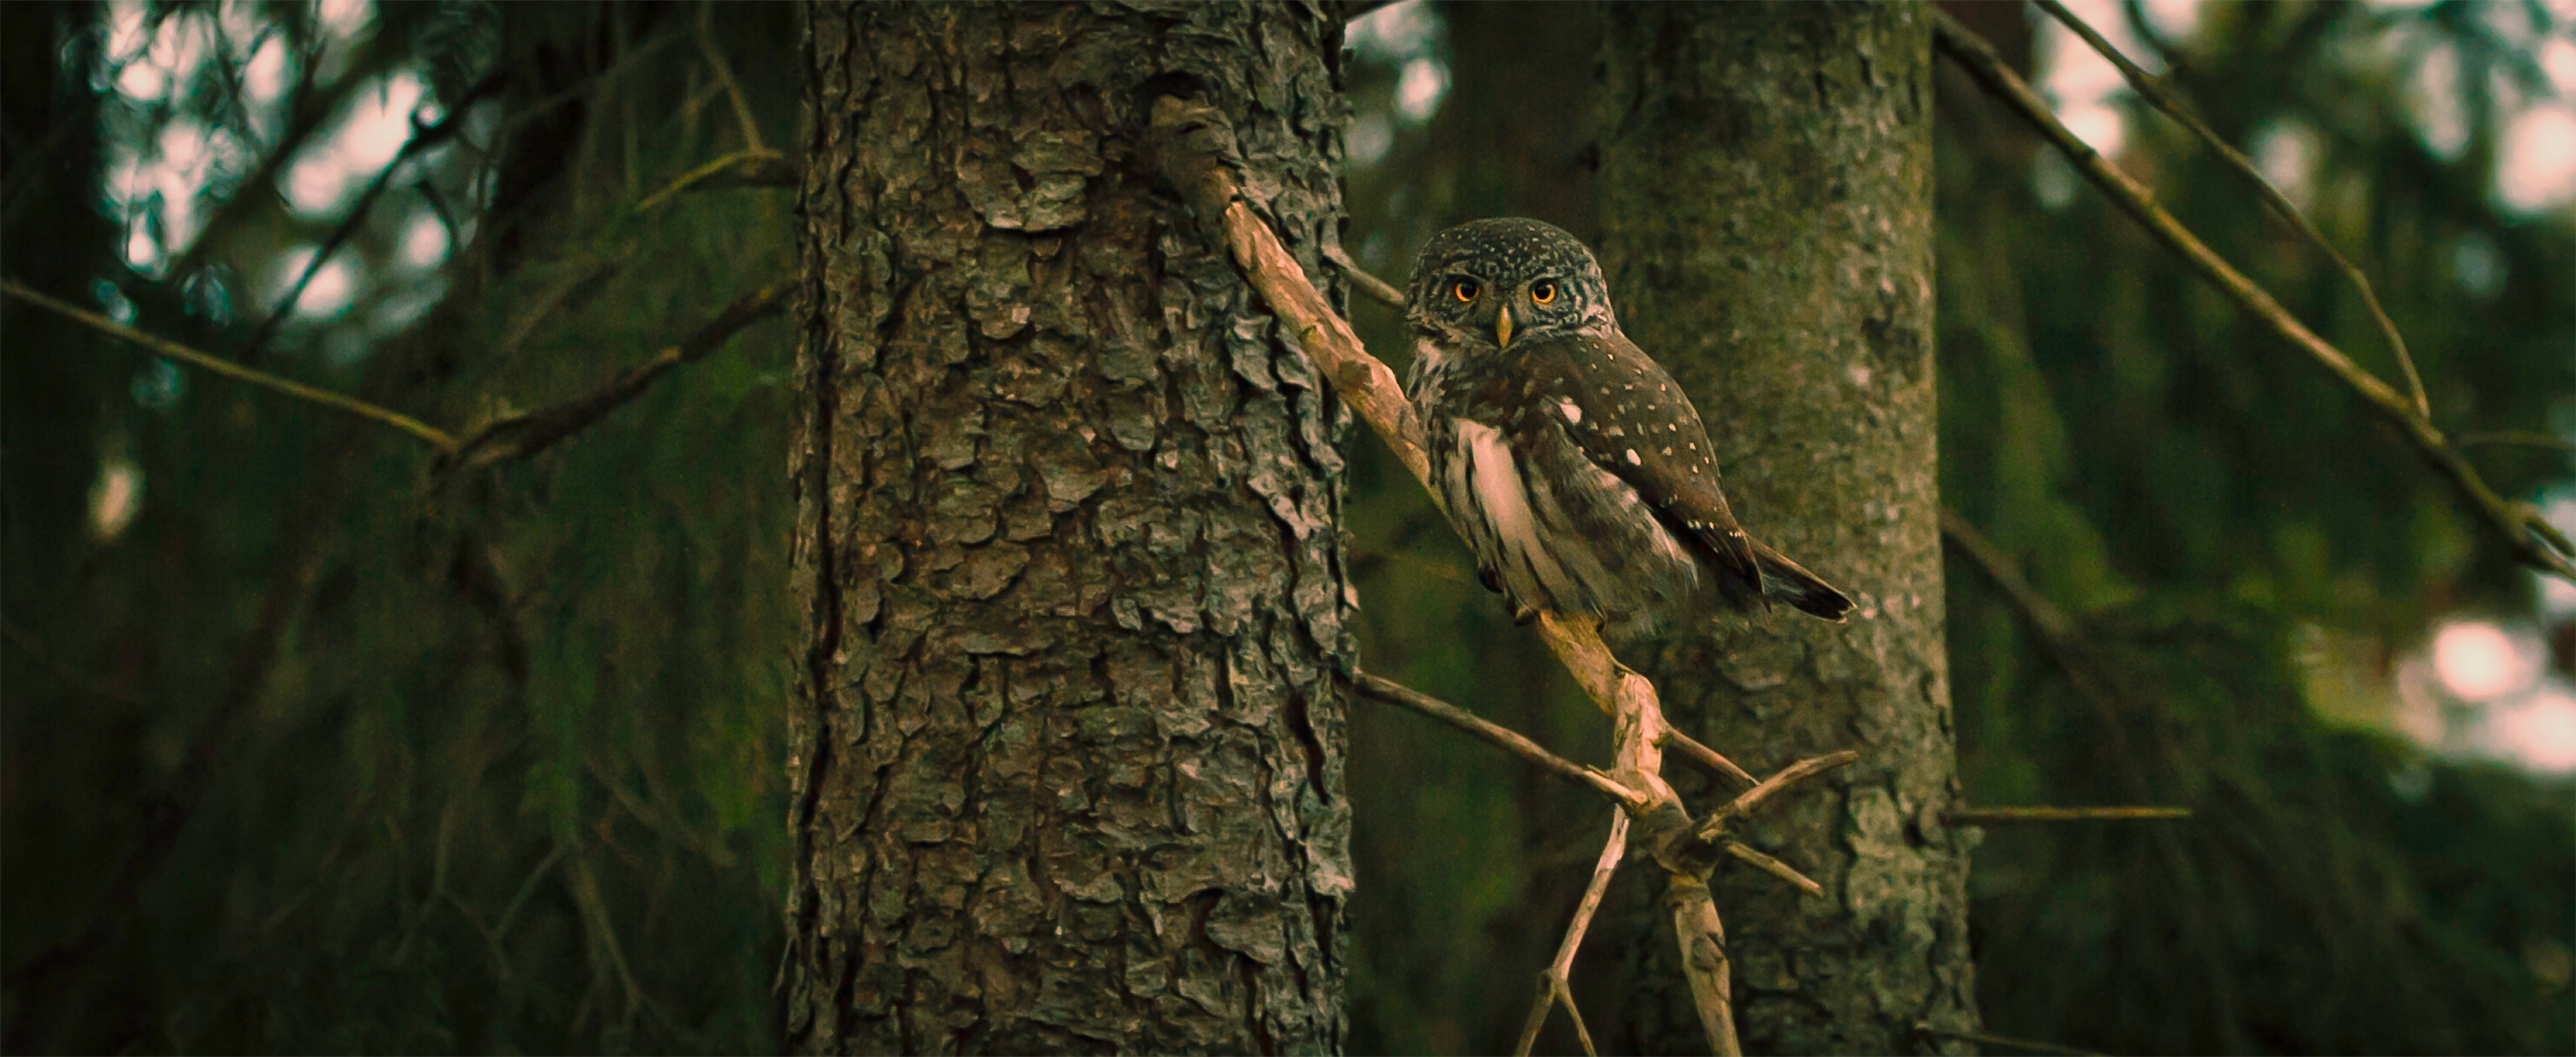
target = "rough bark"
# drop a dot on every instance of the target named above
(1766, 212)
(1067, 763)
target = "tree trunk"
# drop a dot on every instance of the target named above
(1067, 762)
(1767, 224)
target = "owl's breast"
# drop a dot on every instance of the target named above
(1553, 531)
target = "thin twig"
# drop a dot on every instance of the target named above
(1385, 292)
(2003, 1042)
(159, 346)
(1774, 867)
(2515, 522)
(1395, 693)
(1716, 823)
(2005, 816)
(422, 139)
(27, 644)
(2153, 89)
(748, 168)
(2512, 438)
(724, 75)
(1555, 984)
(1709, 758)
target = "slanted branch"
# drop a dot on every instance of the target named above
(1196, 150)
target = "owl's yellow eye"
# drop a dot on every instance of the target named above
(1465, 290)
(1543, 291)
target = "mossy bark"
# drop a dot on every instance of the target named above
(1068, 758)
(1767, 224)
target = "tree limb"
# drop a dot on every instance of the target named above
(164, 347)
(520, 436)
(2004, 816)
(2153, 89)
(1555, 983)
(1395, 693)
(2519, 525)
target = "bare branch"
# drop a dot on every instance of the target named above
(1706, 757)
(2005, 816)
(750, 168)
(1385, 292)
(1774, 867)
(1395, 693)
(520, 436)
(2514, 522)
(2153, 89)
(2514, 439)
(2002, 1042)
(1555, 983)
(164, 347)
(724, 76)
(1704, 963)
(1715, 825)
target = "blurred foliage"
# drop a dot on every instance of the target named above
(510, 779)
(491, 762)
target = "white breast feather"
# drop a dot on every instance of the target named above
(1496, 480)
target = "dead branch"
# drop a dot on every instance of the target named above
(1555, 983)
(1395, 693)
(2518, 524)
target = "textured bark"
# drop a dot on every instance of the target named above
(1766, 213)
(1068, 763)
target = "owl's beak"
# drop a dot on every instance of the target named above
(1503, 327)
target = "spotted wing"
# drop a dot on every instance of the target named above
(1630, 418)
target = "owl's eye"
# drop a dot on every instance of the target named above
(1543, 291)
(1465, 290)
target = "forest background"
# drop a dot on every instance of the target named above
(306, 744)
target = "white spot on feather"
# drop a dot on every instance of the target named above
(1632, 457)
(1572, 413)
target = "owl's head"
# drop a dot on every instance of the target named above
(1486, 284)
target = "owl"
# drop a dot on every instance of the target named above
(1575, 467)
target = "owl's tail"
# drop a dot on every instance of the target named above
(1787, 581)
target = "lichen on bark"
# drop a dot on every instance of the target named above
(1067, 757)
(1766, 215)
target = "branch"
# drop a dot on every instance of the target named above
(2002, 1042)
(164, 347)
(520, 436)
(1555, 983)
(35, 650)
(2004, 816)
(750, 168)
(1395, 693)
(724, 75)
(1715, 825)
(422, 139)
(2153, 89)
(1704, 964)
(2515, 522)
(1385, 292)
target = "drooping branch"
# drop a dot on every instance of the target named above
(168, 349)
(1395, 693)
(2526, 534)
(2153, 89)
(1555, 983)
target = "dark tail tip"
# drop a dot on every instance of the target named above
(1790, 582)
